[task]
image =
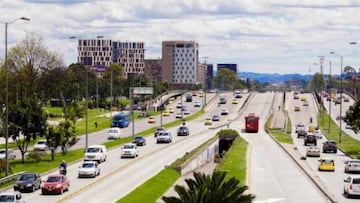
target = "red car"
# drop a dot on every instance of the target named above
(55, 184)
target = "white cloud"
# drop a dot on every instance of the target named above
(259, 35)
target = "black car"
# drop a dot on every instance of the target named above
(310, 138)
(139, 140)
(301, 133)
(183, 131)
(28, 181)
(329, 146)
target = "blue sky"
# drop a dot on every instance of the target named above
(263, 36)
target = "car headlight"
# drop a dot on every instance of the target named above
(58, 186)
(28, 185)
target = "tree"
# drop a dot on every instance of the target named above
(210, 188)
(317, 82)
(26, 121)
(226, 79)
(352, 117)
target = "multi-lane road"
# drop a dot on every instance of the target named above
(273, 176)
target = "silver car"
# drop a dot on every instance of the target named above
(352, 165)
(89, 169)
(164, 137)
(313, 151)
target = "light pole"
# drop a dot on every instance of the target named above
(7, 94)
(329, 95)
(341, 91)
(205, 77)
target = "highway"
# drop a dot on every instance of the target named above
(273, 176)
(335, 113)
(331, 182)
(126, 174)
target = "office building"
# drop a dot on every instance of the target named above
(153, 69)
(102, 53)
(179, 63)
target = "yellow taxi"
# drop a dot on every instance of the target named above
(151, 119)
(297, 108)
(234, 101)
(208, 121)
(201, 94)
(326, 164)
(166, 113)
(302, 99)
(311, 128)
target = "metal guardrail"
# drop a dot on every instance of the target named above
(10, 177)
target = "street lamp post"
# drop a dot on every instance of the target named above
(341, 91)
(7, 94)
(329, 96)
(205, 77)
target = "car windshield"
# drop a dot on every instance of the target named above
(88, 165)
(93, 150)
(164, 134)
(138, 138)
(26, 177)
(112, 131)
(7, 198)
(128, 146)
(41, 142)
(355, 161)
(53, 179)
(183, 128)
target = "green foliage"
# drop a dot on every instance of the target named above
(210, 188)
(36, 156)
(227, 79)
(350, 145)
(234, 161)
(228, 132)
(153, 188)
(352, 117)
(317, 82)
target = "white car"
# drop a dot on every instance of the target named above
(299, 126)
(11, 154)
(352, 186)
(224, 111)
(89, 169)
(178, 115)
(129, 150)
(352, 165)
(41, 145)
(164, 137)
(318, 134)
(96, 153)
(197, 104)
(186, 112)
(11, 197)
(113, 133)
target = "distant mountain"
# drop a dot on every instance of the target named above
(273, 77)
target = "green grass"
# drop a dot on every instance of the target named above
(234, 161)
(350, 145)
(154, 188)
(281, 135)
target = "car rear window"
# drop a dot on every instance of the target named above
(356, 181)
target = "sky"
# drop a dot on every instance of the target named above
(262, 36)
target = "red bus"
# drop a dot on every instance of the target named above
(251, 123)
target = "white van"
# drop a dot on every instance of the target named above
(95, 153)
